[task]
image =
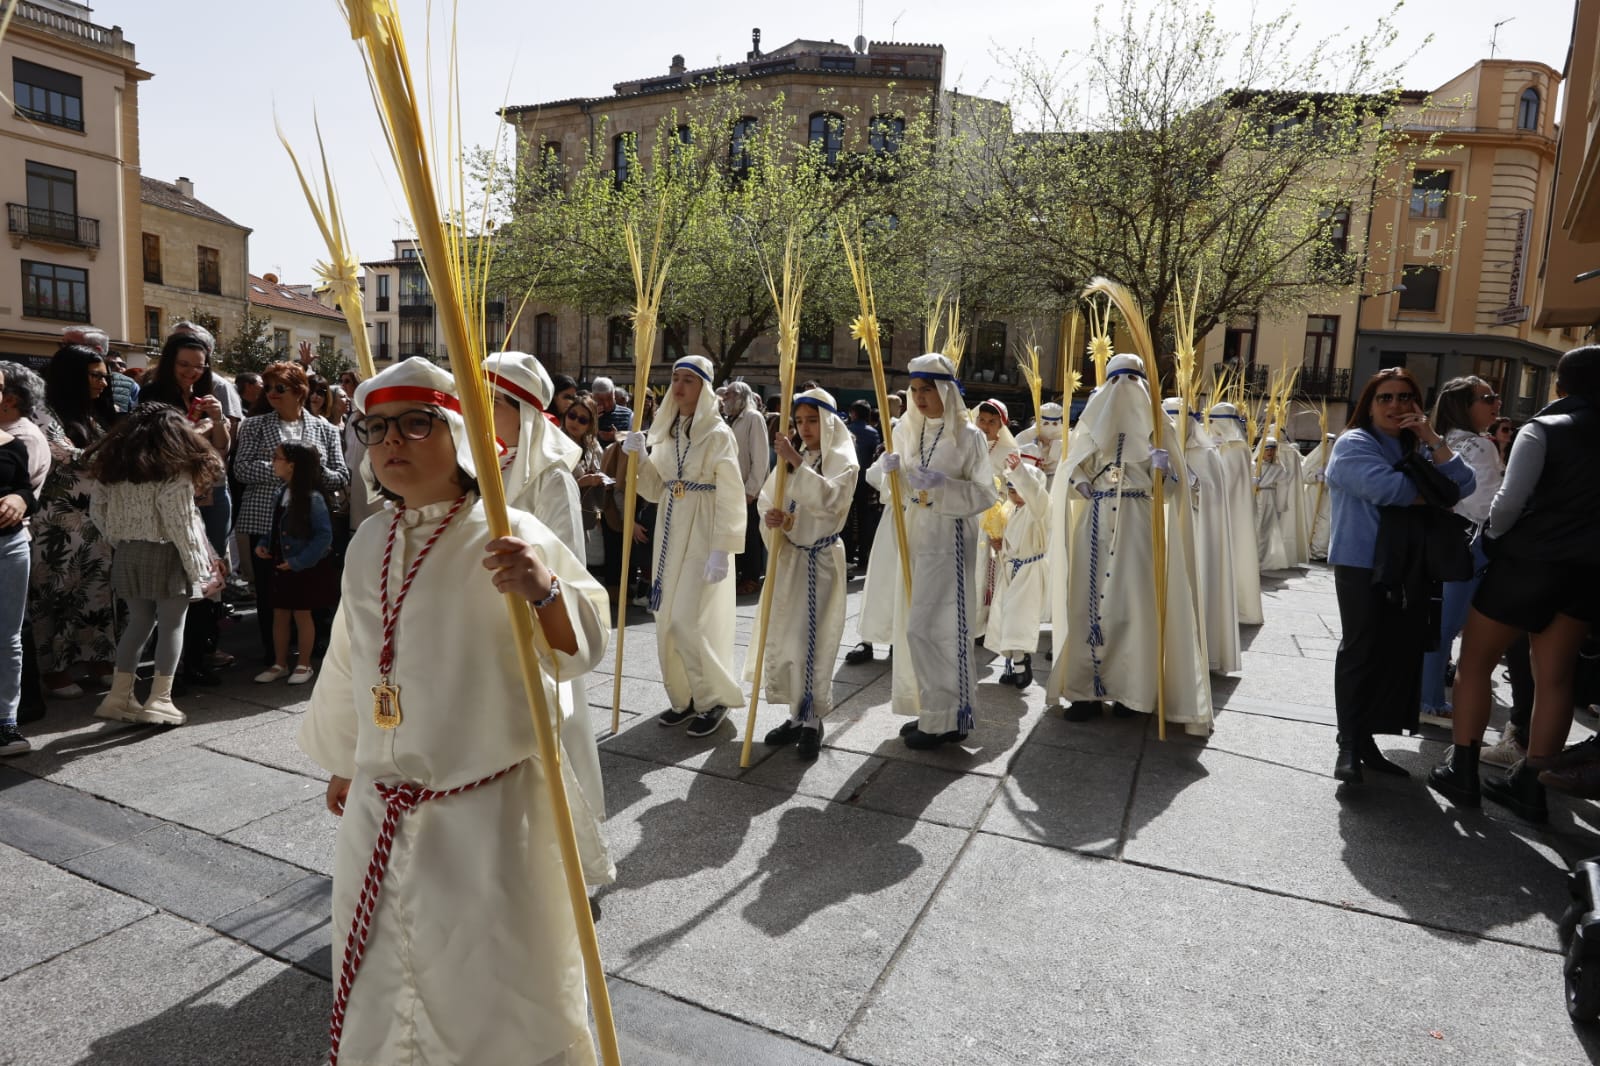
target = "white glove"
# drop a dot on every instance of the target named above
(1318, 478)
(633, 443)
(716, 567)
(923, 477)
(891, 462)
(1085, 489)
(1161, 460)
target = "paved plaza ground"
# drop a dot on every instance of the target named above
(1049, 893)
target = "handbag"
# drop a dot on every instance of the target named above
(1447, 537)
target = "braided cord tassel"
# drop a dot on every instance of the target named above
(964, 717)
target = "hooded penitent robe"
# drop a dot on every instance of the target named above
(1274, 487)
(1227, 429)
(1319, 502)
(1022, 587)
(1213, 550)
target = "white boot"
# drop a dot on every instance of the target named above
(159, 708)
(119, 704)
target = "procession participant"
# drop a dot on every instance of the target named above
(1297, 517)
(1318, 505)
(1021, 593)
(536, 468)
(810, 581)
(742, 408)
(1047, 436)
(1273, 519)
(421, 704)
(1233, 451)
(1110, 646)
(993, 419)
(1212, 544)
(947, 471)
(692, 472)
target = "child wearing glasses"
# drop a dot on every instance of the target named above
(448, 896)
(1377, 674)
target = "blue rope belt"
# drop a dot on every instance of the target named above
(813, 553)
(675, 489)
(1018, 564)
(1097, 636)
(963, 645)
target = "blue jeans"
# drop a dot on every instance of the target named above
(1453, 616)
(15, 556)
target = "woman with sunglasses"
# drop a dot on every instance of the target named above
(286, 389)
(1377, 674)
(1463, 411)
(70, 602)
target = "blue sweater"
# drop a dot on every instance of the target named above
(1362, 476)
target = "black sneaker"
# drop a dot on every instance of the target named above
(861, 653)
(670, 717)
(810, 742)
(706, 722)
(13, 742)
(787, 733)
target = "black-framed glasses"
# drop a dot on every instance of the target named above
(99, 375)
(1489, 397)
(1394, 397)
(414, 424)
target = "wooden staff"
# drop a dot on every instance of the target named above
(342, 270)
(649, 281)
(787, 304)
(1133, 315)
(447, 260)
(865, 330)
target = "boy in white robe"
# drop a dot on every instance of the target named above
(1108, 649)
(811, 582)
(692, 473)
(1227, 429)
(1022, 588)
(467, 953)
(1047, 436)
(536, 469)
(944, 461)
(993, 419)
(1213, 549)
(1273, 486)
(1319, 503)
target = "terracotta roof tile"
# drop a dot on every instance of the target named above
(277, 297)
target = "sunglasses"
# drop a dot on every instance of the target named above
(278, 390)
(1489, 397)
(582, 420)
(1395, 397)
(415, 424)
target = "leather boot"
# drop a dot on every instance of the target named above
(159, 708)
(119, 704)
(1456, 779)
(1347, 767)
(1520, 791)
(1372, 757)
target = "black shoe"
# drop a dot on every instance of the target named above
(1122, 710)
(706, 722)
(671, 717)
(1373, 758)
(861, 653)
(1520, 791)
(787, 733)
(1023, 677)
(1083, 710)
(1347, 767)
(13, 742)
(810, 742)
(1456, 779)
(909, 728)
(921, 741)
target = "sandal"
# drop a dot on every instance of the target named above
(271, 674)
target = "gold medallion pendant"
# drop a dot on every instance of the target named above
(385, 705)
(922, 498)
(678, 490)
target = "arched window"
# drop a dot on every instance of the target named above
(885, 133)
(739, 144)
(622, 155)
(827, 133)
(1528, 109)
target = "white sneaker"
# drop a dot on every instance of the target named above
(1505, 751)
(271, 674)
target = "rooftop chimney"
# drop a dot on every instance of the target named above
(677, 66)
(186, 187)
(755, 43)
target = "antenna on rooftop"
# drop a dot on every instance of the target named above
(1494, 38)
(861, 26)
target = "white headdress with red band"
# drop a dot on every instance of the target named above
(418, 383)
(541, 444)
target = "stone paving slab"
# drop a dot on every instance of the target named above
(272, 744)
(49, 911)
(723, 887)
(57, 823)
(292, 924)
(1089, 961)
(867, 724)
(928, 793)
(835, 774)
(162, 992)
(653, 1029)
(1065, 798)
(1388, 846)
(305, 835)
(186, 872)
(200, 788)
(717, 754)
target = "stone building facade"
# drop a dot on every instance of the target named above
(192, 258)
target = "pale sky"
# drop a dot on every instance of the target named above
(221, 67)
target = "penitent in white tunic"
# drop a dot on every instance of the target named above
(473, 956)
(1022, 574)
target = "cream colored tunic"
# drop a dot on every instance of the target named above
(473, 956)
(1022, 582)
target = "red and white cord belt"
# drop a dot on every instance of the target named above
(398, 800)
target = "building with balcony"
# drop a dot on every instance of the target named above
(193, 259)
(298, 322)
(402, 321)
(69, 175)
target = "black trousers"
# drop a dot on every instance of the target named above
(1377, 673)
(752, 562)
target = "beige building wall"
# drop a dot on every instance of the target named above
(1574, 249)
(177, 294)
(101, 235)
